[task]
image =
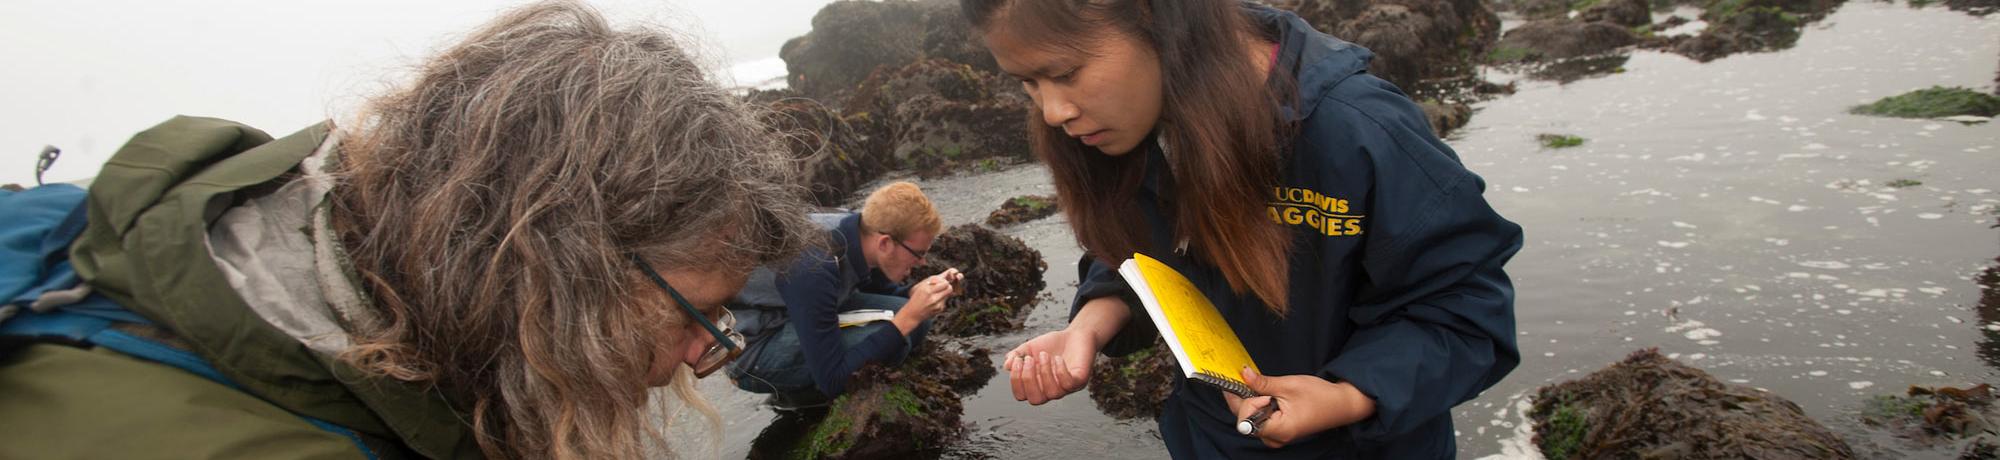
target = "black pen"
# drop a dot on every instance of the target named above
(1249, 426)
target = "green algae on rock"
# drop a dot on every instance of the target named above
(905, 410)
(1002, 277)
(1649, 406)
(1559, 141)
(1939, 416)
(1933, 102)
(1022, 209)
(1133, 386)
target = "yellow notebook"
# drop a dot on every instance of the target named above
(1203, 342)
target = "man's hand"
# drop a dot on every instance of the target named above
(926, 300)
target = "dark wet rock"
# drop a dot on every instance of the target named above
(1985, 447)
(1989, 309)
(1754, 29)
(1931, 417)
(1649, 406)
(840, 153)
(1446, 117)
(1002, 276)
(1491, 89)
(943, 116)
(939, 136)
(850, 39)
(934, 116)
(1736, 26)
(1535, 9)
(1022, 209)
(888, 87)
(1672, 22)
(1133, 386)
(906, 410)
(1556, 39)
(1972, 7)
(1416, 42)
(1628, 13)
(1933, 102)
(1573, 69)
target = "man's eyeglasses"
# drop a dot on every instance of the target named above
(914, 252)
(728, 343)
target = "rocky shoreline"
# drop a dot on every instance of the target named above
(879, 87)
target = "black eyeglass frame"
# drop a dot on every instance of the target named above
(914, 252)
(725, 336)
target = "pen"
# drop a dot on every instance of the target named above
(1249, 426)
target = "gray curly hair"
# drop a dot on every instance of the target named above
(489, 206)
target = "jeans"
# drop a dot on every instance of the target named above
(778, 365)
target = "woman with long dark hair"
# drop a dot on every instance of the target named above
(1344, 243)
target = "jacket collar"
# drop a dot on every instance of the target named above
(274, 242)
(1316, 61)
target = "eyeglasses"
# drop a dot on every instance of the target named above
(914, 252)
(728, 343)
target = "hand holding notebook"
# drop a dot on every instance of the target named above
(1209, 352)
(1202, 341)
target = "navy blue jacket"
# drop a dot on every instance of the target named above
(1396, 280)
(813, 289)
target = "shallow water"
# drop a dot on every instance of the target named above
(1731, 213)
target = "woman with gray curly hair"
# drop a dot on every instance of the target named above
(498, 260)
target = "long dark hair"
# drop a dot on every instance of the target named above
(1220, 118)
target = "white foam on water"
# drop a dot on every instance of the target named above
(1520, 445)
(1825, 264)
(1674, 244)
(1701, 334)
(1930, 216)
(1679, 224)
(1860, 385)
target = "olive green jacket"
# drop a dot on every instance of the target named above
(148, 246)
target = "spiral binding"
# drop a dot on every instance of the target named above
(1223, 383)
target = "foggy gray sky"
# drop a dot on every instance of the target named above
(85, 75)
